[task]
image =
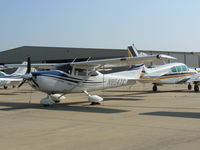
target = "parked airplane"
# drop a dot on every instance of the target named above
(12, 79)
(172, 73)
(79, 77)
(196, 78)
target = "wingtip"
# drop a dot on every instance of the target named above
(166, 57)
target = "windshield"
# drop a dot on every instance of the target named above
(2, 73)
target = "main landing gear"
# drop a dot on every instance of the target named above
(189, 87)
(56, 98)
(155, 88)
(196, 87)
(94, 99)
(52, 99)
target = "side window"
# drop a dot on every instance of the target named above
(94, 74)
(179, 68)
(184, 68)
(80, 72)
(173, 69)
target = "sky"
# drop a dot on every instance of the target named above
(172, 25)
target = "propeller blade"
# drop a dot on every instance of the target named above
(29, 65)
(35, 83)
(23, 81)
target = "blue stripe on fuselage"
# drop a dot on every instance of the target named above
(60, 75)
(53, 72)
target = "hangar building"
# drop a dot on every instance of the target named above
(68, 54)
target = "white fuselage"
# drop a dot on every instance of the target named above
(9, 80)
(61, 82)
(173, 73)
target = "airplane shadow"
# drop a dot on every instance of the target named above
(195, 115)
(6, 94)
(18, 92)
(60, 107)
(121, 99)
(149, 92)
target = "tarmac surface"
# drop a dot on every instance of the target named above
(130, 118)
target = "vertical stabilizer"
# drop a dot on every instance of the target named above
(132, 51)
(20, 70)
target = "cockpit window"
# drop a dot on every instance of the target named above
(184, 68)
(80, 72)
(65, 68)
(179, 68)
(173, 69)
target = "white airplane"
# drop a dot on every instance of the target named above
(83, 77)
(172, 73)
(12, 79)
(196, 78)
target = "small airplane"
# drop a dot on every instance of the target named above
(12, 79)
(83, 77)
(172, 73)
(196, 78)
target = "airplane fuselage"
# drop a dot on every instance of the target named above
(60, 82)
(174, 73)
(9, 80)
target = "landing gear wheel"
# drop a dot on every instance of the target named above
(189, 86)
(57, 101)
(95, 103)
(196, 88)
(13, 86)
(46, 101)
(46, 105)
(5, 87)
(155, 89)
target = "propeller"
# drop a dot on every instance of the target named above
(28, 76)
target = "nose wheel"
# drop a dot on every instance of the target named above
(155, 88)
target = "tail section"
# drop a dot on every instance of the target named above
(20, 70)
(132, 51)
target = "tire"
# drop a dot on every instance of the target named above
(57, 101)
(5, 87)
(155, 89)
(196, 88)
(189, 87)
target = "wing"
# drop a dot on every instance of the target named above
(119, 62)
(98, 64)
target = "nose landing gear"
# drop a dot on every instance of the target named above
(155, 88)
(189, 87)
